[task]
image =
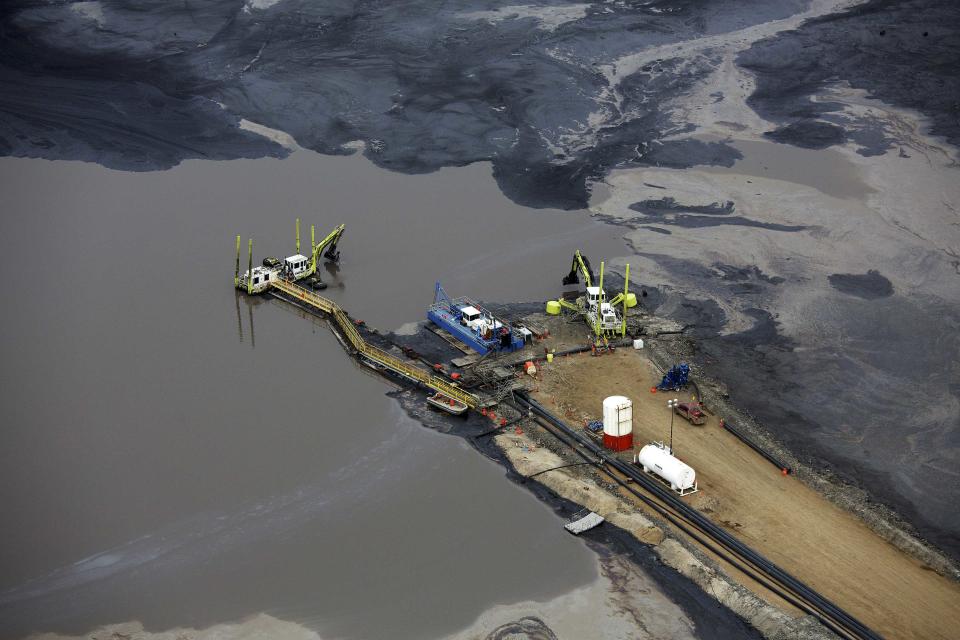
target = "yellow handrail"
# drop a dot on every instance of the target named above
(374, 353)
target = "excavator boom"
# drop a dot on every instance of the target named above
(330, 245)
(581, 266)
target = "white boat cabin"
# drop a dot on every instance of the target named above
(598, 306)
(296, 265)
(595, 296)
(475, 319)
(263, 277)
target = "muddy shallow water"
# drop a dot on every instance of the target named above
(825, 169)
(180, 455)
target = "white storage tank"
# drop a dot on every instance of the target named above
(656, 458)
(618, 423)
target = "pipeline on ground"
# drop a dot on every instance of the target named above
(832, 616)
(753, 445)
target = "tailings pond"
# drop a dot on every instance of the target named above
(179, 454)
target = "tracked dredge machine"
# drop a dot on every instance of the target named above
(292, 268)
(600, 314)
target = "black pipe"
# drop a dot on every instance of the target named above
(702, 523)
(841, 617)
(626, 342)
(658, 491)
(721, 535)
(562, 466)
(678, 522)
(753, 445)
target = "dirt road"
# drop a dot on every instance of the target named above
(826, 547)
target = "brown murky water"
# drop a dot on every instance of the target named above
(177, 454)
(826, 170)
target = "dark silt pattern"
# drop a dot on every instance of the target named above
(144, 85)
(904, 53)
(667, 212)
(810, 134)
(867, 285)
(670, 205)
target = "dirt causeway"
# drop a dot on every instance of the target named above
(790, 523)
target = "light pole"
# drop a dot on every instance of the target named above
(672, 403)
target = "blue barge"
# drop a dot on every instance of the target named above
(470, 323)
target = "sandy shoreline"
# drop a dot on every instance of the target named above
(881, 601)
(868, 527)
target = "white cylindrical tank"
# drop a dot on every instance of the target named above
(658, 460)
(618, 423)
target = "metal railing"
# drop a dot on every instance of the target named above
(369, 351)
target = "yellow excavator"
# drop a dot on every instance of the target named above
(295, 267)
(599, 313)
(580, 266)
(329, 243)
(298, 266)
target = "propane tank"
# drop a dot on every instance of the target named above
(657, 458)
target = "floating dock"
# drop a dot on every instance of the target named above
(292, 292)
(582, 523)
(471, 325)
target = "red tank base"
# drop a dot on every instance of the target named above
(618, 443)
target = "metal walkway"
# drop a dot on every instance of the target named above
(370, 352)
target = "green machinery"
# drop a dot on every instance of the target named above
(292, 268)
(598, 312)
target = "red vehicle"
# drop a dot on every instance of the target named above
(692, 411)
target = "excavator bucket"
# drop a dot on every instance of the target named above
(331, 253)
(580, 264)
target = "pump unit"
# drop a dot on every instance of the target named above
(601, 314)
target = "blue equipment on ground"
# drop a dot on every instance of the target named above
(676, 379)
